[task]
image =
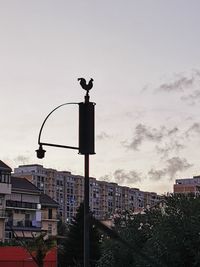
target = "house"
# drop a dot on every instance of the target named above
(23, 209)
(48, 215)
(5, 189)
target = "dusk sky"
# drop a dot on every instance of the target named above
(144, 57)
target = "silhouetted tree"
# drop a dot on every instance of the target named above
(72, 252)
(62, 228)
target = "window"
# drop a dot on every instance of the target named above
(4, 177)
(50, 213)
(8, 235)
(49, 228)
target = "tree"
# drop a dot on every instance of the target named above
(72, 252)
(40, 246)
(163, 236)
(37, 247)
(62, 228)
(175, 238)
(127, 238)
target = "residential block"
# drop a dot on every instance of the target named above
(106, 198)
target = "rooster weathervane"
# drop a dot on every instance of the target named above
(86, 86)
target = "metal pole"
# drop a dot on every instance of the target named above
(86, 213)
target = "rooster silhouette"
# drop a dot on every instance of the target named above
(86, 86)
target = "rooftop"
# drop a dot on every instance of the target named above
(31, 165)
(23, 184)
(3, 166)
(45, 200)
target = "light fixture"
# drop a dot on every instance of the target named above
(40, 152)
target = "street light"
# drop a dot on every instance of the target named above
(40, 152)
(86, 147)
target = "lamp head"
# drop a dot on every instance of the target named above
(40, 152)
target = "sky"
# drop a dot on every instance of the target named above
(144, 58)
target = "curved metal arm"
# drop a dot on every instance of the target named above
(70, 103)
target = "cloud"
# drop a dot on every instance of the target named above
(123, 177)
(177, 164)
(173, 131)
(178, 85)
(186, 85)
(173, 166)
(137, 114)
(172, 146)
(103, 136)
(195, 128)
(156, 175)
(20, 159)
(192, 98)
(145, 133)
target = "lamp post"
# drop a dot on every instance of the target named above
(86, 148)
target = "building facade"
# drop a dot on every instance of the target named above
(22, 209)
(5, 190)
(49, 217)
(187, 185)
(106, 198)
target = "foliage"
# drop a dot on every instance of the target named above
(62, 228)
(176, 237)
(126, 247)
(72, 252)
(10, 243)
(163, 236)
(39, 246)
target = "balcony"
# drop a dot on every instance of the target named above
(23, 225)
(21, 205)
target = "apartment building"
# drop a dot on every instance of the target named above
(106, 198)
(107, 205)
(37, 175)
(59, 185)
(136, 200)
(95, 197)
(187, 185)
(132, 199)
(150, 199)
(5, 189)
(65, 195)
(78, 189)
(94, 194)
